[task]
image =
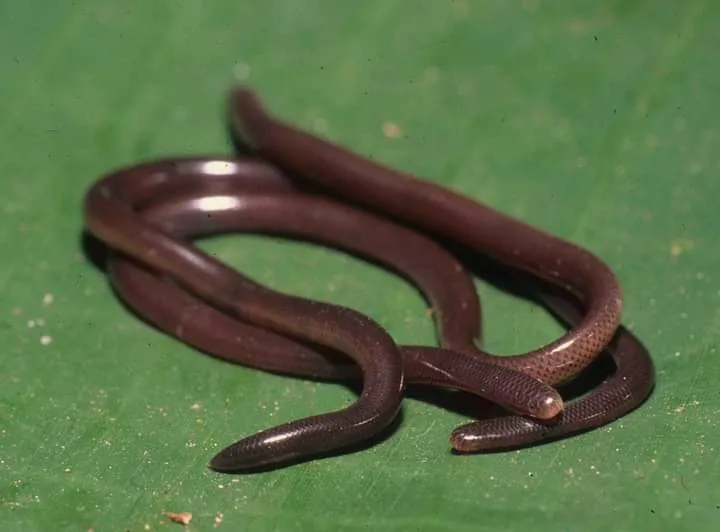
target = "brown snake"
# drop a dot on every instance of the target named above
(147, 212)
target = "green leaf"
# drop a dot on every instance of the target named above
(597, 121)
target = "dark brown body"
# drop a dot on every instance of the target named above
(149, 211)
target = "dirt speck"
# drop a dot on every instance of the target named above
(679, 247)
(182, 518)
(391, 130)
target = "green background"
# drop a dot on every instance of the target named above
(597, 121)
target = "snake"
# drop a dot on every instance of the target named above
(114, 208)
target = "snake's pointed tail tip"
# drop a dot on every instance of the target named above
(213, 466)
(238, 92)
(242, 96)
(248, 113)
(221, 464)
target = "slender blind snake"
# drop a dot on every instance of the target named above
(191, 215)
(113, 208)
